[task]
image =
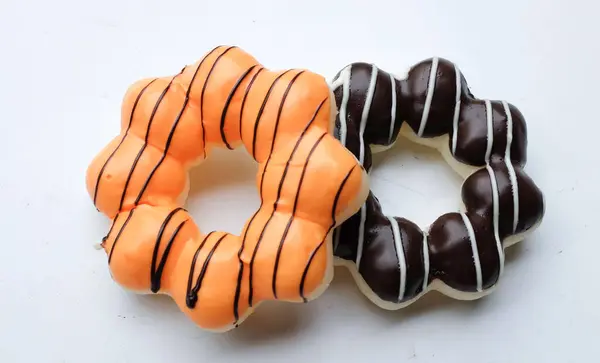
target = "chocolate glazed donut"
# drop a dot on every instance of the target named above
(462, 253)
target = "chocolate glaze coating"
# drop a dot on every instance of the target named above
(450, 253)
(472, 139)
(415, 89)
(531, 203)
(379, 256)
(464, 250)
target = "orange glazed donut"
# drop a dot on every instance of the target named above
(308, 184)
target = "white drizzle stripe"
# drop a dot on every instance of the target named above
(343, 105)
(393, 123)
(496, 216)
(474, 249)
(429, 97)
(425, 262)
(456, 110)
(401, 258)
(490, 130)
(361, 235)
(511, 170)
(365, 112)
(337, 82)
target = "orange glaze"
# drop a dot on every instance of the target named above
(308, 184)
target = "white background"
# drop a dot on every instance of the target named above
(64, 66)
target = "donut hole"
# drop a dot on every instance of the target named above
(413, 181)
(223, 193)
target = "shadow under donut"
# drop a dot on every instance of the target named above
(516, 252)
(431, 303)
(159, 304)
(276, 322)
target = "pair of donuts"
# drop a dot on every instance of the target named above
(313, 142)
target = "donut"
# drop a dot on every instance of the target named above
(307, 181)
(461, 254)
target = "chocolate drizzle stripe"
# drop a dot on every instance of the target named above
(305, 272)
(261, 235)
(122, 139)
(202, 96)
(490, 130)
(162, 158)
(399, 246)
(192, 296)
(163, 260)
(474, 249)
(171, 134)
(361, 235)
(138, 156)
(306, 163)
(429, 97)
(112, 248)
(238, 288)
(495, 216)
(261, 110)
(511, 170)
(241, 268)
(240, 251)
(291, 219)
(284, 235)
(187, 94)
(393, 111)
(228, 101)
(191, 299)
(274, 137)
(155, 274)
(245, 97)
(333, 223)
(303, 174)
(456, 109)
(112, 226)
(279, 111)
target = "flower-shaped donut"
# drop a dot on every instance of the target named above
(461, 254)
(308, 184)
